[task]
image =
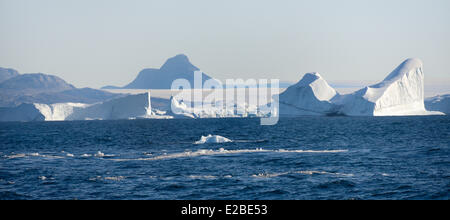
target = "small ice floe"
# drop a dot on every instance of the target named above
(213, 139)
(86, 155)
(42, 178)
(101, 154)
(70, 155)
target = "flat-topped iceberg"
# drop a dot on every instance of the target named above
(40, 112)
(212, 139)
(127, 107)
(219, 109)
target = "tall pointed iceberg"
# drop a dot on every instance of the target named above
(310, 96)
(400, 93)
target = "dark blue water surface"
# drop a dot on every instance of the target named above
(299, 158)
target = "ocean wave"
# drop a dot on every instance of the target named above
(311, 151)
(111, 178)
(251, 141)
(115, 178)
(22, 155)
(207, 177)
(304, 172)
(269, 175)
(12, 156)
(223, 151)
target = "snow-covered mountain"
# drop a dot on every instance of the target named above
(6, 74)
(178, 67)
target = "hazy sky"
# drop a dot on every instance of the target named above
(107, 42)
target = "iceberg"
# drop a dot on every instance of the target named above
(219, 109)
(213, 139)
(40, 112)
(440, 103)
(59, 111)
(128, 107)
(310, 96)
(400, 93)
(23, 112)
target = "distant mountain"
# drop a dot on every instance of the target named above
(46, 89)
(28, 84)
(178, 67)
(6, 74)
(111, 87)
(85, 95)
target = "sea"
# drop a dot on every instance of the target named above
(302, 158)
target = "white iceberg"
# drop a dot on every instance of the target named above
(212, 139)
(218, 109)
(40, 112)
(59, 111)
(310, 96)
(130, 106)
(400, 93)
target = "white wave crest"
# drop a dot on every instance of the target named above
(222, 151)
(115, 178)
(304, 172)
(15, 156)
(21, 155)
(269, 175)
(207, 177)
(312, 151)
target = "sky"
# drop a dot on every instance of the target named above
(93, 43)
